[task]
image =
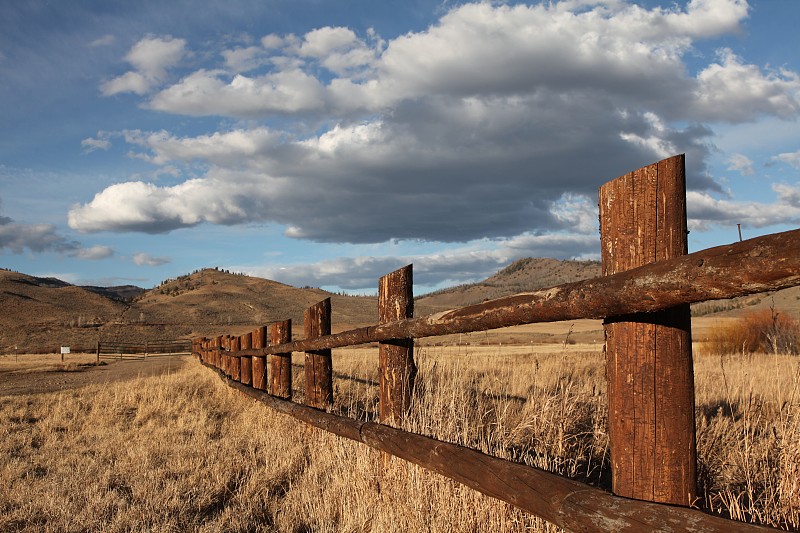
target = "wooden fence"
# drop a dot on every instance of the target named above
(644, 295)
(131, 350)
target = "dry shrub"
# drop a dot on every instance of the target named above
(761, 331)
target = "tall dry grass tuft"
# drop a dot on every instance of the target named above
(761, 331)
(748, 437)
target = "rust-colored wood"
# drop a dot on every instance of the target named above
(205, 353)
(318, 368)
(223, 354)
(246, 341)
(246, 369)
(761, 264)
(227, 344)
(234, 362)
(566, 503)
(246, 361)
(259, 338)
(649, 355)
(280, 364)
(397, 369)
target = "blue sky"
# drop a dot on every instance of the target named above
(328, 143)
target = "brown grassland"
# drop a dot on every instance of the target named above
(183, 452)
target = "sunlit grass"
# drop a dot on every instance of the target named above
(184, 452)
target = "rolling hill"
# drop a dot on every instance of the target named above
(522, 275)
(40, 314)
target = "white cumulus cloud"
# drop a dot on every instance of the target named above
(741, 163)
(145, 259)
(705, 211)
(790, 158)
(95, 252)
(151, 57)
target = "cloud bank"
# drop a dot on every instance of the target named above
(39, 238)
(497, 122)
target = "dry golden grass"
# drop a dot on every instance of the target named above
(184, 452)
(748, 436)
(32, 363)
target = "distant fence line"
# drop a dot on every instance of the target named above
(118, 350)
(107, 348)
(644, 296)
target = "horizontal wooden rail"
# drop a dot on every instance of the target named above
(561, 501)
(756, 265)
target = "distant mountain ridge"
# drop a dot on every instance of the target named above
(119, 292)
(122, 293)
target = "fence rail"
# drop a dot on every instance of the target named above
(564, 502)
(762, 264)
(641, 300)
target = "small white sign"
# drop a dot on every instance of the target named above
(64, 349)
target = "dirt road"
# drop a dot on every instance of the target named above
(35, 374)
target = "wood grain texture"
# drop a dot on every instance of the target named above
(318, 365)
(246, 361)
(280, 364)
(259, 340)
(649, 358)
(234, 362)
(397, 370)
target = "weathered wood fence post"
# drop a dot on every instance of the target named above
(218, 356)
(280, 364)
(226, 358)
(649, 355)
(259, 337)
(246, 361)
(397, 367)
(318, 364)
(235, 362)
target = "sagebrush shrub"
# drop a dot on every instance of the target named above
(760, 331)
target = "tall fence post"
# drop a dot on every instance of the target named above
(397, 367)
(218, 360)
(318, 364)
(235, 361)
(227, 360)
(649, 355)
(280, 364)
(245, 343)
(259, 338)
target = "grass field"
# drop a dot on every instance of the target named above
(183, 452)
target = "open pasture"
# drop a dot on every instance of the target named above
(181, 451)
